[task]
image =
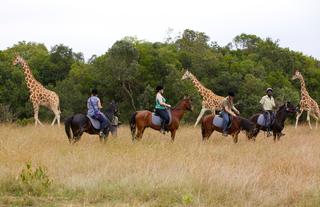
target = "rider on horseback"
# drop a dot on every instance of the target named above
(228, 109)
(94, 106)
(268, 104)
(160, 108)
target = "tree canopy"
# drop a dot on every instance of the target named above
(131, 69)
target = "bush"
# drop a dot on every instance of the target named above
(34, 181)
(6, 115)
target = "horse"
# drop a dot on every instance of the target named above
(142, 119)
(278, 123)
(80, 123)
(237, 124)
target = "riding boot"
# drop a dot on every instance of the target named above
(162, 129)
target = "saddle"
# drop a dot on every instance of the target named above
(95, 123)
(156, 120)
(218, 121)
(265, 119)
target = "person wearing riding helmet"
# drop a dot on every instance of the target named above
(94, 106)
(160, 108)
(268, 104)
(228, 109)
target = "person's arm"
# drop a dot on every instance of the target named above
(229, 111)
(235, 110)
(88, 104)
(99, 104)
(262, 100)
(273, 103)
(159, 98)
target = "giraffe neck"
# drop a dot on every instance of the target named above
(30, 80)
(304, 91)
(202, 90)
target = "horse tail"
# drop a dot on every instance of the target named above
(67, 127)
(133, 125)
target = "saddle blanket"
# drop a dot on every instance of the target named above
(218, 122)
(95, 123)
(262, 121)
(156, 120)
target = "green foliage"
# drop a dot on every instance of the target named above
(130, 70)
(34, 181)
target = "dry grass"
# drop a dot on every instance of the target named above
(156, 172)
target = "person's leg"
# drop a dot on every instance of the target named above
(269, 123)
(163, 115)
(104, 122)
(225, 122)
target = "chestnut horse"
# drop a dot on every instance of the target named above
(238, 124)
(142, 119)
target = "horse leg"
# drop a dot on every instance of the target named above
(235, 137)
(297, 118)
(139, 133)
(173, 134)
(206, 134)
(200, 115)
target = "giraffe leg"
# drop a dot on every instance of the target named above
(316, 118)
(56, 116)
(297, 118)
(200, 116)
(36, 114)
(53, 121)
(308, 119)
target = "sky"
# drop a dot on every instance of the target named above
(92, 27)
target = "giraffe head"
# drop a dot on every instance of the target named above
(186, 75)
(18, 60)
(296, 75)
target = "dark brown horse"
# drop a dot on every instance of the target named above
(238, 124)
(280, 117)
(77, 124)
(142, 119)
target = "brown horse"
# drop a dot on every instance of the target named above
(238, 124)
(142, 119)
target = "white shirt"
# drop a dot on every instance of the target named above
(267, 103)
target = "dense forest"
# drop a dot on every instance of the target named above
(130, 70)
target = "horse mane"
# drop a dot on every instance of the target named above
(178, 105)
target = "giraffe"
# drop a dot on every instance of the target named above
(306, 102)
(39, 95)
(210, 100)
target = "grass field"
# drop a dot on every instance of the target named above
(156, 172)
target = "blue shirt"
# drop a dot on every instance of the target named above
(92, 104)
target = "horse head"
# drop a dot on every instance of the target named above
(187, 102)
(288, 107)
(251, 128)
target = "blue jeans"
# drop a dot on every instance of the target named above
(226, 119)
(164, 115)
(104, 122)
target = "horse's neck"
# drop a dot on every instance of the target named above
(281, 117)
(110, 112)
(178, 112)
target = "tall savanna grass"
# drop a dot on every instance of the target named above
(157, 172)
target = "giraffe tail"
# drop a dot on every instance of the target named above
(67, 127)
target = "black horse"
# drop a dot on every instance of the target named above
(278, 124)
(80, 123)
